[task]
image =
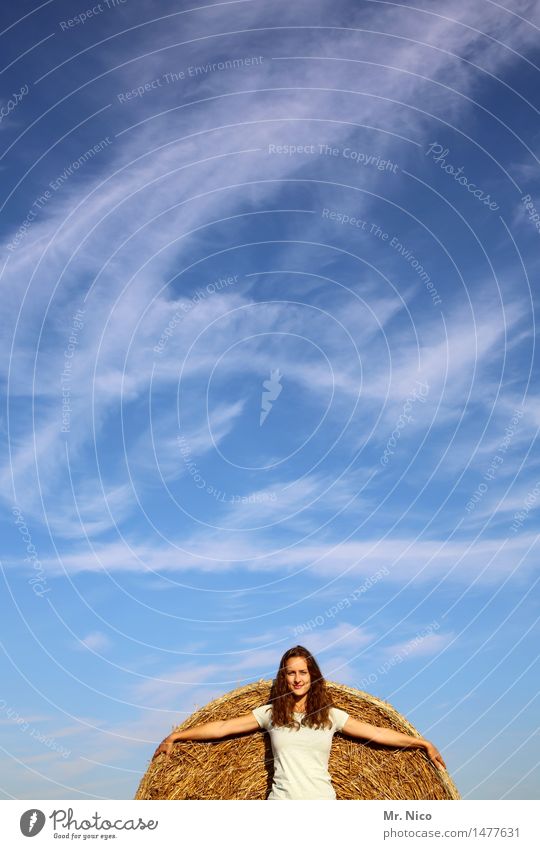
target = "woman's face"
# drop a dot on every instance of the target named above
(297, 675)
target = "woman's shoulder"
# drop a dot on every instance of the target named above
(338, 717)
(263, 715)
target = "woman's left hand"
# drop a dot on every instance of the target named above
(164, 748)
(434, 755)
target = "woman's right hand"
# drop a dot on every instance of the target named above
(164, 748)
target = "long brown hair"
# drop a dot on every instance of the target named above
(318, 704)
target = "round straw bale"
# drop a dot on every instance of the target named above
(240, 766)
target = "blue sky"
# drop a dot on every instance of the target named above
(269, 276)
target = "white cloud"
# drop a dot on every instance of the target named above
(96, 641)
(342, 637)
(421, 645)
(87, 231)
(485, 561)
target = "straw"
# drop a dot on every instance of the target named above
(240, 767)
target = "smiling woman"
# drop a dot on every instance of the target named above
(301, 722)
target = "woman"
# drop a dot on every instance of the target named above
(301, 723)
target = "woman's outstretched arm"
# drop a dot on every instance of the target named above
(209, 731)
(388, 737)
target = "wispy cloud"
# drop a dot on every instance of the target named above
(91, 221)
(484, 561)
(96, 641)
